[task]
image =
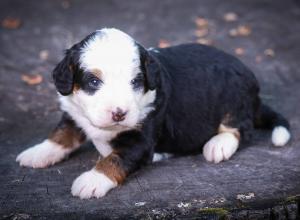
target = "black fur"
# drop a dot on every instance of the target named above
(150, 67)
(197, 88)
(206, 85)
(63, 75)
(268, 118)
(68, 73)
(132, 148)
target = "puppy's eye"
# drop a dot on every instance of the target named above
(134, 81)
(94, 83)
(137, 82)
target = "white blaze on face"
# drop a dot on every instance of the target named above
(117, 57)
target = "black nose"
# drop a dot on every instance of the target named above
(118, 115)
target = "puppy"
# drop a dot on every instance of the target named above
(131, 102)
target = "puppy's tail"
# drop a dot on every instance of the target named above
(269, 119)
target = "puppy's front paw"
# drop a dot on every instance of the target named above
(92, 184)
(220, 147)
(42, 155)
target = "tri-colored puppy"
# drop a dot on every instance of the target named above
(131, 102)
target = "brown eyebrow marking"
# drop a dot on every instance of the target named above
(97, 72)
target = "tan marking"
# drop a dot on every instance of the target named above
(67, 137)
(76, 87)
(112, 168)
(223, 128)
(97, 72)
(227, 118)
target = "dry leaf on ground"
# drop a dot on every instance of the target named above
(32, 79)
(11, 23)
(258, 59)
(201, 32)
(233, 32)
(163, 43)
(44, 54)
(204, 41)
(230, 17)
(65, 4)
(239, 51)
(242, 30)
(201, 22)
(269, 52)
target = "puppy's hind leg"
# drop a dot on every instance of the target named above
(223, 145)
(65, 138)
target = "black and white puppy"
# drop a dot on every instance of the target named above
(132, 102)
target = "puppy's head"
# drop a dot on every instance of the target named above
(109, 79)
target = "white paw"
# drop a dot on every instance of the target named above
(280, 136)
(161, 156)
(220, 147)
(42, 155)
(92, 184)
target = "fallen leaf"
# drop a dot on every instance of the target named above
(32, 79)
(201, 32)
(11, 23)
(269, 52)
(44, 54)
(258, 59)
(242, 30)
(239, 51)
(65, 4)
(204, 41)
(230, 17)
(163, 43)
(201, 22)
(233, 32)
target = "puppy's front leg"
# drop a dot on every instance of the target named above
(65, 138)
(130, 151)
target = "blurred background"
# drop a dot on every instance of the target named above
(264, 34)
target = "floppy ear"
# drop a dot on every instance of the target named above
(151, 67)
(152, 71)
(63, 75)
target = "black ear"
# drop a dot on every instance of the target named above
(63, 74)
(151, 68)
(152, 72)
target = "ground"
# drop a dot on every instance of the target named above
(259, 182)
